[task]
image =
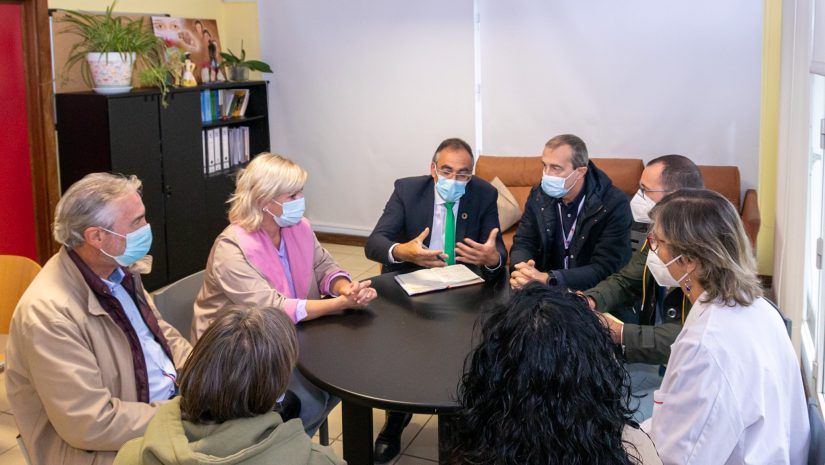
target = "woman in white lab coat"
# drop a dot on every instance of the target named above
(732, 392)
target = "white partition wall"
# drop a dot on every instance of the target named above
(362, 94)
(634, 79)
(363, 91)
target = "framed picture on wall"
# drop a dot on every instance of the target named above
(197, 37)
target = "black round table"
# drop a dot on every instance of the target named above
(402, 353)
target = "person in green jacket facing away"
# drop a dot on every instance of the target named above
(663, 309)
(230, 390)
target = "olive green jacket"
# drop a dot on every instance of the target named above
(261, 440)
(644, 342)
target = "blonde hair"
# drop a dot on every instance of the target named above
(267, 176)
(90, 202)
(704, 227)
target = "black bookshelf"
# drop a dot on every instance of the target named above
(133, 133)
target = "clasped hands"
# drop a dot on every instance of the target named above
(355, 294)
(525, 273)
(466, 251)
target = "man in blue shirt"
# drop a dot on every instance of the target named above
(89, 357)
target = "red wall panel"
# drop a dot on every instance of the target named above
(17, 234)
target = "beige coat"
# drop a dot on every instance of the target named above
(69, 373)
(231, 279)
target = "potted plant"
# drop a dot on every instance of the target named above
(239, 66)
(109, 47)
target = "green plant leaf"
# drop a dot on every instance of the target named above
(256, 65)
(230, 57)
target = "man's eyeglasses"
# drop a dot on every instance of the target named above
(653, 242)
(448, 173)
(644, 191)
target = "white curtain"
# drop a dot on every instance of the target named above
(363, 91)
(362, 94)
(634, 79)
(818, 55)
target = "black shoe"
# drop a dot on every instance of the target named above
(388, 444)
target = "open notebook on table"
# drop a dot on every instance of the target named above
(435, 279)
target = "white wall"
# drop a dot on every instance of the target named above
(640, 78)
(362, 94)
(363, 91)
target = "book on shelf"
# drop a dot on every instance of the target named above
(205, 153)
(436, 279)
(206, 106)
(245, 143)
(210, 135)
(225, 147)
(223, 104)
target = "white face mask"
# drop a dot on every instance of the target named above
(640, 206)
(660, 271)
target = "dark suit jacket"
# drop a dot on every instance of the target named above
(410, 210)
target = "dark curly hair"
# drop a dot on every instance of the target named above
(546, 385)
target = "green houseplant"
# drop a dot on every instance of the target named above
(239, 66)
(110, 46)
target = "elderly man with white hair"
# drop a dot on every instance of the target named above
(89, 357)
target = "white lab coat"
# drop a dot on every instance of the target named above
(732, 393)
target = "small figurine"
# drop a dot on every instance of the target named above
(189, 74)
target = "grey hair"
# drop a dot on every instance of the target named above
(580, 157)
(703, 226)
(90, 202)
(454, 144)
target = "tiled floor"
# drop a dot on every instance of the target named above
(419, 443)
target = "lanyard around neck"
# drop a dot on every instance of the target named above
(568, 238)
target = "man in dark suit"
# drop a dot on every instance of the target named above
(432, 221)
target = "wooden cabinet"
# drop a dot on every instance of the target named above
(133, 133)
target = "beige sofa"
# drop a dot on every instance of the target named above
(520, 174)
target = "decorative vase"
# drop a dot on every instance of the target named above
(111, 72)
(239, 73)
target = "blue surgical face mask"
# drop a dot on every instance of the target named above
(138, 243)
(554, 185)
(450, 189)
(291, 214)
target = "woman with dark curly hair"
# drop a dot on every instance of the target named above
(546, 386)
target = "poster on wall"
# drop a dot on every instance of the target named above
(196, 37)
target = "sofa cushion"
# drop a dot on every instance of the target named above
(724, 180)
(624, 172)
(509, 211)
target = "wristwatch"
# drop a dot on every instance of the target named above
(551, 279)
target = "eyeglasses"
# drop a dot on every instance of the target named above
(645, 191)
(653, 242)
(448, 173)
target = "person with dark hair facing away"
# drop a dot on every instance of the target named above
(230, 388)
(732, 392)
(444, 218)
(546, 386)
(646, 342)
(575, 230)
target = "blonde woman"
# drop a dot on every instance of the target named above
(269, 257)
(732, 392)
